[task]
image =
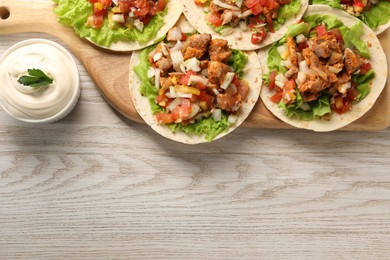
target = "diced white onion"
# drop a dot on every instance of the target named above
(119, 18)
(286, 63)
(192, 64)
(217, 114)
(303, 67)
(245, 14)
(227, 17)
(131, 14)
(305, 106)
(301, 78)
(194, 110)
(344, 87)
(239, 3)
(182, 68)
(178, 46)
(173, 104)
(151, 72)
(280, 78)
(282, 49)
(197, 79)
(227, 80)
(177, 60)
(300, 38)
(157, 78)
(233, 88)
(334, 69)
(115, 2)
(174, 34)
(183, 95)
(232, 119)
(215, 90)
(172, 92)
(139, 25)
(164, 49)
(157, 56)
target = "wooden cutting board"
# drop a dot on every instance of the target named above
(110, 71)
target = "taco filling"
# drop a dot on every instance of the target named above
(372, 12)
(323, 68)
(193, 83)
(106, 22)
(124, 13)
(256, 16)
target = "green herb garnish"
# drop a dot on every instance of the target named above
(36, 78)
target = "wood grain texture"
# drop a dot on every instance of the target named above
(96, 185)
(113, 82)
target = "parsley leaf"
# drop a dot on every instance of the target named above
(35, 78)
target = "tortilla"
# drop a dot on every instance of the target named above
(71, 18)
(240, 40)
(336, 121)
(251, 73)
(374, 11)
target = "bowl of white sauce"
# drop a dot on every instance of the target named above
(39, 81)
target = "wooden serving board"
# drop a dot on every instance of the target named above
(110, 71)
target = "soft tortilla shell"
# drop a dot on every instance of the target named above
(378, 63)
(239, 39)
(252, 74)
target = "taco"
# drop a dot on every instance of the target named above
(119, 25)
(374, 13)
(326, 72)
(245, 24)
(193, 88)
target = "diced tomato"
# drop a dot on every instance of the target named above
(124, 6)
(264, 2)
(251, 3)
(158, 6)
(186, 78)
(259, 36)
(183, 110)
(143, 9)
(93, 1)
(209, 99)
(165, 118)
(270, 23)
(341, 105)
(98, 21)
(271, 83)
(162, 100)
(345, 2)
(365, 67)
(321, 30)
(277, 97)
(273, 4)
(214, 18)
(106, 3)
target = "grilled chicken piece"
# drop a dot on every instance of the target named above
(197, 46)
(217, 72)
(164, 64)
(229, 102)
(308, 96)
(335, 57)
(314, 85)
(219, 50)
(352, 61)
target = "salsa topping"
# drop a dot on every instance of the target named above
(316, 67)
(257, 16)
(124, 13)
(194, 80)
(356, 7)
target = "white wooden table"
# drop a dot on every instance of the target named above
(96, 185)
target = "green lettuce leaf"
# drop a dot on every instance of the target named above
(74, 13)
(352, 39)
(363, 84)
(288, 11)
(238, 61)
(378, 14)
(332, 3)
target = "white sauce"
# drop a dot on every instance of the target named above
(28, 103)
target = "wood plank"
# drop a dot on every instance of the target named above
(110, 71)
